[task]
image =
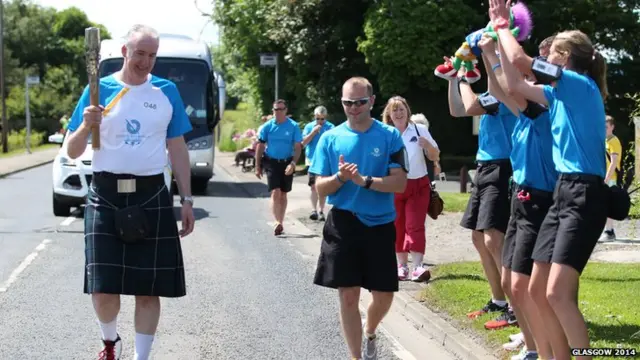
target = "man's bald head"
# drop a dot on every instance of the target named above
(358, 82)
(140, 32)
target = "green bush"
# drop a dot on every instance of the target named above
(16, 139)
(236, 122)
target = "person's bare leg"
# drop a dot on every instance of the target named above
(282, 207)
(322, 200)
(275, 204)
(351, 320)
(507, 282)
(403, 258)
(488, 264)
(147, 316)
(314, 199)
(107, 307)
(377, 310)
(538, 292)
(562, 294)
(494, 240)
(520, 291)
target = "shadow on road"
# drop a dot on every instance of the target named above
(298, 236)
(226, 189)
(198, 213)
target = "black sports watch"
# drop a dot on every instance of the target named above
(368, 181)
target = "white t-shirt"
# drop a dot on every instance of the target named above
(134, 132)
(417, 164)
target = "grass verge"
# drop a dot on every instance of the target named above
(454, 201)
(608, 300)
(233, 122)
(16, 152)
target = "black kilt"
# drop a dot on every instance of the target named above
(151, 267)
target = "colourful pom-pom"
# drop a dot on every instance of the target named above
(522, 20)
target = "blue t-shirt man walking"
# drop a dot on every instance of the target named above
(360, 164)
(310, 138)
(282, 138)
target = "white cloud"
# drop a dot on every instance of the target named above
(171, 16)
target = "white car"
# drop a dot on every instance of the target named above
(71, 178)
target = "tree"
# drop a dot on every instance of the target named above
(397, 44)
(41, 41)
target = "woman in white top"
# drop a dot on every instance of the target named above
(412, 205)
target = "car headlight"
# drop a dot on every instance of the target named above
(64, 161)
(198, 144)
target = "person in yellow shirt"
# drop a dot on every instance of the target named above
(614, 170)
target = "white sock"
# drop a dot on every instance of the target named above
(499, 302)
(416, 258)
(109, 330)
(143, 346)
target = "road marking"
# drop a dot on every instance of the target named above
(398, 350)
(70, 219)
(23, 265)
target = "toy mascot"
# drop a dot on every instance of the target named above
(467, 55)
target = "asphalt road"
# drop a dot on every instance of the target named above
(250, 294)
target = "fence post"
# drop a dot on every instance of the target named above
(636, 122)
(464, 178)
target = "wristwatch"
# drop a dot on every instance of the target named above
(368, 181)
(186, 198)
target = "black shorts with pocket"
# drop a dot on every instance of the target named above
(528, 211)
(353, 254)
(275, 170)
(575, 221)
(312, 179)
(488, 206)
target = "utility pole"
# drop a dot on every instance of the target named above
(5, 125)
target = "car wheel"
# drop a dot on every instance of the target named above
(200, 185)
(59, 208)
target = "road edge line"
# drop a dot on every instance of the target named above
(29, 167)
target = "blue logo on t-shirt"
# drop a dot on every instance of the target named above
(133, 128)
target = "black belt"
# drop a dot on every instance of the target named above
(280, 161)
(493, 162)
(104, 179)
(523, 190)
(582, 177)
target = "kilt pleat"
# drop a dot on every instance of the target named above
(151, 267)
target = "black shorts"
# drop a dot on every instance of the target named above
(275, 170)
(488, 206)
(527, 215)
(575, 221)
(355, 255)
(312, 179)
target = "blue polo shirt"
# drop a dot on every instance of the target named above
(532, 154)
(577, 124)
(494, 135)
(374, 152)
(280, 138)
(311, 146)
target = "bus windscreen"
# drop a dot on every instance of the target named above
(190, 76)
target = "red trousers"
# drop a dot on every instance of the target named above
(411, 215)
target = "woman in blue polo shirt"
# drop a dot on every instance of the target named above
(534, 178)
(488, 210)
(575, 78)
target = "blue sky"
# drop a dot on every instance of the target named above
(169, 16)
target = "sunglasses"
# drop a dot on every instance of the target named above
(350, 103)
(320, 119)
(279, 109)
